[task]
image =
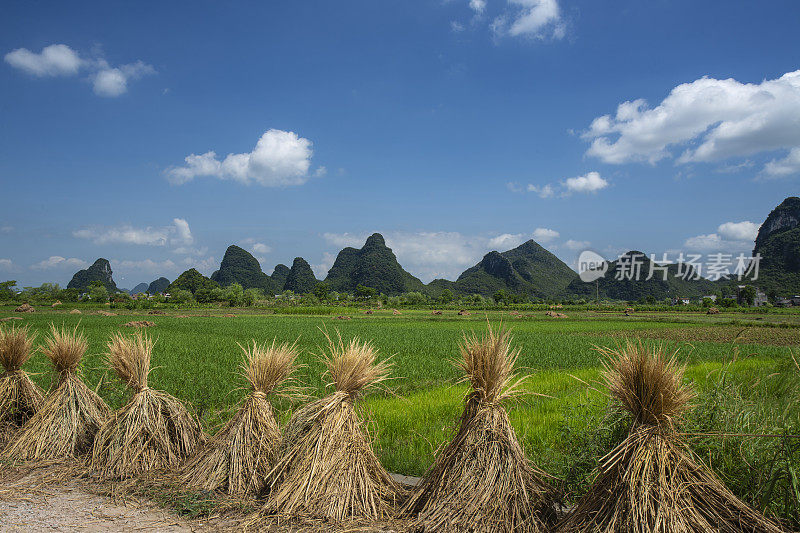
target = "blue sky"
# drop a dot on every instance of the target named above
(156, 134)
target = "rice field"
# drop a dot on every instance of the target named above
(747, 383)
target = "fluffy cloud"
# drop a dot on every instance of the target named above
(113, 81)
(56, 261)
(544, 191)
(577, 245)
(477, 6)
(506, 241)
(258, 249)
(542, 235)
(786, 166)
(730, 236)
(739, 231)
(436, 254)
(537, 19)
(589, 183)
(61, 60)
(6, 264)
(178, 234)
(706, 120)
(280, 158)
(53, 60)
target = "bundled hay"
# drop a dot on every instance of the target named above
(25, 308)
(327, 468)
(482, 480)
(650, 482)
(20, 397)
(154, 430)
(72, 413)
(237, 459)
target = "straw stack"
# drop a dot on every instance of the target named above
(482, 480)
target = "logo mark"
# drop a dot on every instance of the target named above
(591, 266)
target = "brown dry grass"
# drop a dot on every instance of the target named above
(327, 469)
(154, 430)
(237, 459)
(651, 482)
(66, 423)
(20, 397)
(482, 480)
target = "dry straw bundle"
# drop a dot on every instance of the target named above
(20, 398)
(237, 459)
(327, 469)
(72, 413)
(154, 430)
(650, 483)
(482, 480)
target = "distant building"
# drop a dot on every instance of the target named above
(760, 299)
(681, 300)
(712, 297)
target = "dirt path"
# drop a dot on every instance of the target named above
(46, 500)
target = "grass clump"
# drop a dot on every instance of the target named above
(20, 398)
(66, 423)
(327, 468)
(154, 430)
(482, 480)
(237, 459)
(651, 482)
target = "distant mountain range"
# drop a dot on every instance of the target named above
(527, 269)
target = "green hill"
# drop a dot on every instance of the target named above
(301, 278)
(374, 265)
(192, 281)
(159, 285)
(142, 287)
(239, 266)
(778, 242)
(279, 276)
(99, 271)
(528, 268)
(634, 289)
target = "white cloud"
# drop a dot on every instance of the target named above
(183, 234)
(146, 265)
(178, 234)
(477, 6)
(787, 166)
(53, 60)
(506, 241)
(6, 264)
(321, 269)
(456, 26)
(542, 235)
(730, 236)
(56, 261)
(61, 60)
(280, 158)
(709, 242)
(113, 81)
(739, 231)
(709, 120)
(544, 191)
(537, 19)
(589, 183)
(6, 229)
(205, 265)
(577, 245)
